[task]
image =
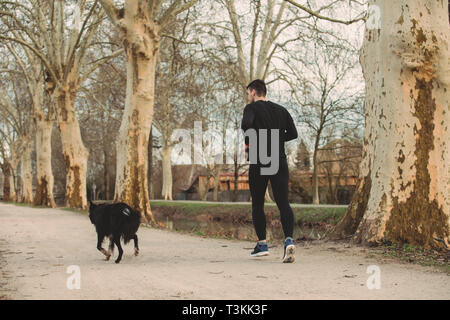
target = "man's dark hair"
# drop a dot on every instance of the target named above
(259, 86)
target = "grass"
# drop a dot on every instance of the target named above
(417, 255)
(303, 215)
(193, 207)
(318, 215)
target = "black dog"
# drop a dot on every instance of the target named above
(115, 221)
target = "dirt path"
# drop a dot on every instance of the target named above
(38, 245)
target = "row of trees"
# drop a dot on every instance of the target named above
(61, 45)
(115, 75)
(60, 50)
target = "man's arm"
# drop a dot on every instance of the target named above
(291, 130)
(247, 121)
(247, 118)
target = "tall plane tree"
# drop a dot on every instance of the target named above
(329, 97)
(403, 195)
(140, 24)
(42, 115)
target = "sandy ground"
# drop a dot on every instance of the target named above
(38, 245)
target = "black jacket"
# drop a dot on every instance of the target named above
(269, 115)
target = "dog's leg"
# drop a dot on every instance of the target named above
(100, 248)
(117, 243)
(136, 246)
(111, 245)
(110, 249)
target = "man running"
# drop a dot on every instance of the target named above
(262, 114)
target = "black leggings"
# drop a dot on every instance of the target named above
(280, 188)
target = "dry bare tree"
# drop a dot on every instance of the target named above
(100, 109)
(247, 59)
(32, 70)
(182, 90)
(60, 34)
(327, 98)
(302, 157)
(260, 33)
(338, 160)
(16, 136)
(101, 102)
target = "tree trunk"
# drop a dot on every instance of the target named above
(141, 45)
(27, 174)
(106, 174)
(150, 165)
(333, 184)
(44, 175)
(204, 192)
(236, 177)
(74, 152)
(6, 181)
(402, 195)
(315, 179)
(217, 182)
(167, 172)
(13, 180)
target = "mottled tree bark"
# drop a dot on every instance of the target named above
(402, 195)
(139, 23)
(14, 163)
(74, 152)
(27, 174)
(132, 145)
(44, 175)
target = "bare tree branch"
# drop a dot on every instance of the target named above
(319, 16)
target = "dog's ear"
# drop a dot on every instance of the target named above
(91, 203)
